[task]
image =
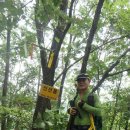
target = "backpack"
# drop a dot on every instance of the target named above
(97, 119)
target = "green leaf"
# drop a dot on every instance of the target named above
(49, 123)
(57, 39)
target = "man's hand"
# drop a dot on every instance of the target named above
(72, 111)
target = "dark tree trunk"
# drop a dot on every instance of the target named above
(5, 83)
(91, 36)
(48, 72)
(39, 29)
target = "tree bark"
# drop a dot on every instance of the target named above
(91, 36)
(40, 26)
(48, 72)
(5, 83)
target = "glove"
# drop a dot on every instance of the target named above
(72, 111)
(80, 104)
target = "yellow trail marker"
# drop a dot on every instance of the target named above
(49, 92)
(51, 60)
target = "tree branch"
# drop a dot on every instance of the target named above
(69, 23)
(119, 72)
(106, 73)
(27, 3)
(66, 68)
(112, 40)
(106, 42)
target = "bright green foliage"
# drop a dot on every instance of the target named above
(52, 120)
(49, 10)
(9, 10)
(110, 41)
(122, 111)
(17, 116)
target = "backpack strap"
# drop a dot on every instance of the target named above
(92, 126)
(90, 100)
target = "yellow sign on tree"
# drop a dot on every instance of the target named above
(49, 92)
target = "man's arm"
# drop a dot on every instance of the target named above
(96, 109)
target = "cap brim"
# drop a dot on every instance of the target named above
(81, 78)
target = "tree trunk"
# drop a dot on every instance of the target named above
(64, 73)
(91, 36)
(5, 83)
(49, 72)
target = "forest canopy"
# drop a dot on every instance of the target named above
(52, 41)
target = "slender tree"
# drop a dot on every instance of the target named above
(91, 36)
(5, 83)
(65, 72)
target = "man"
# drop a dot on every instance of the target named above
(81, 110)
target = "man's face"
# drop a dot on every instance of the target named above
(83, 84)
